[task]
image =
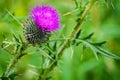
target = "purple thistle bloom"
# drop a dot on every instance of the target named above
(46, 18)
(42, 21)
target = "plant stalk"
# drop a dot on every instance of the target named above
(12, 64)
(77, 28)
(15, 59)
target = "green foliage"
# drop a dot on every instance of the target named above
(89, 55)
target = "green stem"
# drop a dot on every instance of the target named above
(76, 29)
(12, 64)
(16, 58)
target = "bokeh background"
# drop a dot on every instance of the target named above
(103, 20)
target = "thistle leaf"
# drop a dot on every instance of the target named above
(89, 36)
(107, 53)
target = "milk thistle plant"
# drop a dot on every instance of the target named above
(40, 24)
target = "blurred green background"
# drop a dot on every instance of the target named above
(103, 20)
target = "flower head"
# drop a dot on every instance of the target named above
(42, 21)
(46, 18)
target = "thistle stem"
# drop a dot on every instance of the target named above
(12, 64)
(77, 28)
(15, 59)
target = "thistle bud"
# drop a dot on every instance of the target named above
(42, 22)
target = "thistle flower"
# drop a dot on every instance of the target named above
(46, 18)
(42, 22)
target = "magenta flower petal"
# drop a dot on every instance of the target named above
(46, 18)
